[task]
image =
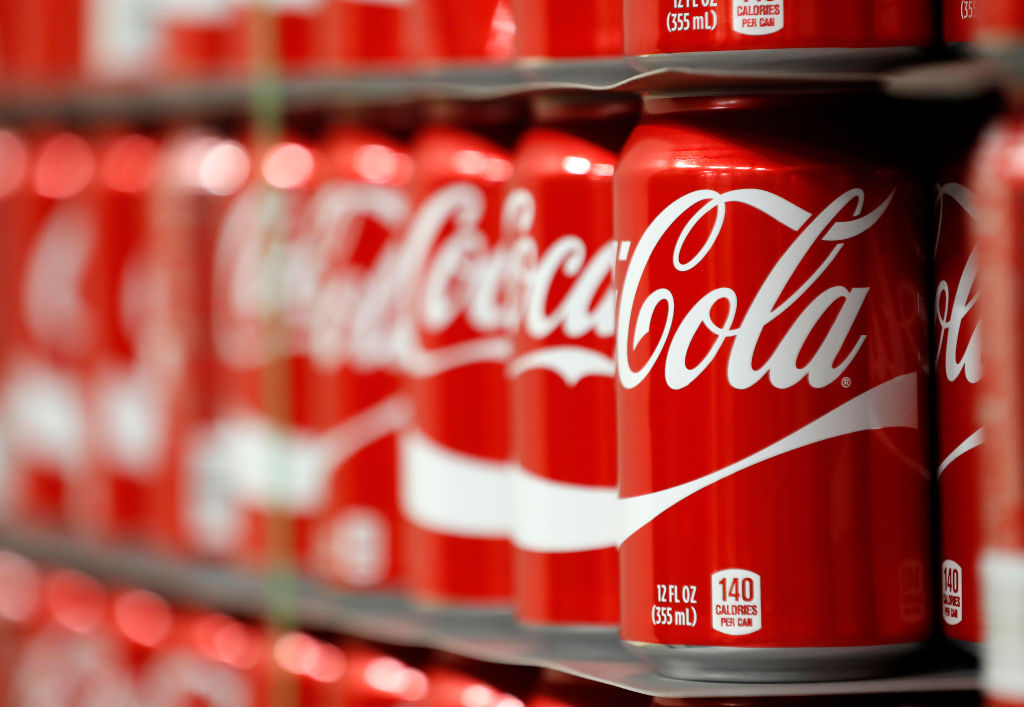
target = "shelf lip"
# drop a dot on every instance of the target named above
(387, 618)
(893, 68)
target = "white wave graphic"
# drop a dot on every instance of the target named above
(557, 517)
(973, 440)
(422, 363)
(570, 363)
(453, 493)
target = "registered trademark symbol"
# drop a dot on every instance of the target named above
(846, 381)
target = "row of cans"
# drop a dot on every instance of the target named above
(66, 640)
(117, 40)
(672, 378)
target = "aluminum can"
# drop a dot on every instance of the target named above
(667, 26)
(454, 481)
(192, 509)
(284, 33)
(959, 19)
(193, 37)
(362, 33)
(771, 332)
(1000, 23)
(56, 256)
(998, 183)
(452, 678)
(379, 676)
(260, 298)
(557, 220)
(124, 423)
(452, 31)
(351, 236)
(547, 29)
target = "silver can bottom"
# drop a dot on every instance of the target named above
(730, 664)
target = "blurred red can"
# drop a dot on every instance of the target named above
(351, 236)
(278, 33)
(557, 219)
(998, 181)
(379, 677)
(959, 19)
(454, 681)
(454, 484)
(666, 26)
(363, 33)
(56, 261)
(1000, 23)
(770, 348)
(453, 31)
(551, 29)
(193, 37)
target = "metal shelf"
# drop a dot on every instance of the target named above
(389, 619)
(900, 70)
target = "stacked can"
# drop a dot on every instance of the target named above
(193, 37)
(771, 333)
(562, 407)
(351, 236)
(451, 31)
(360, 34)
(958, 20)
(280, 34)
(551, 29)
(454, 486)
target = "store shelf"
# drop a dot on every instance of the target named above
(389, 619)
(903, 70)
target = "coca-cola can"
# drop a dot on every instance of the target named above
(192, 508)
(193, 37)
(283, 33)
(997, 180)
(351, 236)
(358, 34)
(547, 29)
(452, 31)
(454, 483)
(455, 680)
(771, 337)
(667, 26)
(959, 19)
(1000, 24)
(56, 258)
(557, 220)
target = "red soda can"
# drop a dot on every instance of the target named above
(47, 44)
(557, 689)
(125, 423)
(56, 256)
(454, 681)
(193, 37)
(191, 507)
(959, 19)
(351, 236)
(365, 33)
(548, 29)
(771, 333)
(382, 677)
(561, 374)
(1000, 23)
(281, 33)
(454, 483)
(998, 182)
(20, 610)
(453, 31)
(259, 304)
(667, 26)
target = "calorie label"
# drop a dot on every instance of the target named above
(952, 593)
(736, 602)
(756, 17)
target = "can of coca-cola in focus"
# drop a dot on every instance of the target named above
(125, 413)
(261, 297)
(557, 221)
(957, 355)
(557, 689)
(191, 503)
(376, 676)
(455, 680)
(193, 37)
(56, 257)
(275, 33)
(454, 482)
(771, 335)
(359, 34)
(997, 180)
(664, 26)
(351, 236)
(959, 20)
(548, 29)
(453, 31)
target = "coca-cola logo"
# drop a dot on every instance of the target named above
(460, 275)
(586, 308)
(953, 308)
(717, 312)
(336, 311)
